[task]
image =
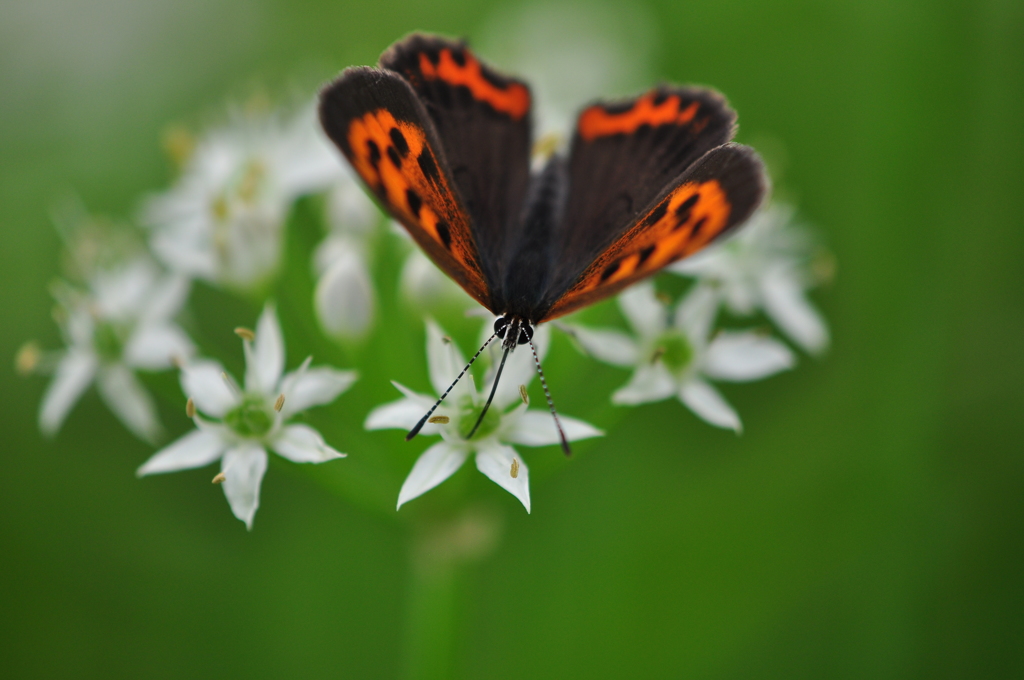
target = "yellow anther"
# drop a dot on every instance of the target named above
(440, 420)
(27, 358)
(279, 404)
(515, 468)
(219, 479)
(523, 395)
(245, 333)
(190, 408)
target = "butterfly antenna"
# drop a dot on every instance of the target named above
(423, 421)
(551, 404)
(494, 388)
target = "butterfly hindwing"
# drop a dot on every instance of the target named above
(376, 120)
(482, 118)
(717, 193)
(623, 155)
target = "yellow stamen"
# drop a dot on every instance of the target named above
(515, 468)
(523, 395)
(279, 404)
(190, 408)
(245, 334)
(219, 479)
(27, 358)
(439, 420)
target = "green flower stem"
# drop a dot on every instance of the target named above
(442, 556)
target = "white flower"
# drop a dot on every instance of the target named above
(765, 266)
(223, 219)
(122, 324)
(672, 356)
(503, 425)
(344, 298)
(238, 425)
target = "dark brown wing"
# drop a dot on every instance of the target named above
(482, 119)
(376, 120)
(623, 156)
(715, 194)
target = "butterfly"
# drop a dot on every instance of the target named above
(444, 141)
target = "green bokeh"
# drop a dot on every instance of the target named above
(867, 524)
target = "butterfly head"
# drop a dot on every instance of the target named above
(513, 331)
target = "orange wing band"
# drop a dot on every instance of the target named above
(598, 122)
(513, 99)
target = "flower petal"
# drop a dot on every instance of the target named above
(129, 400)
(243, 468)
(302, 444)
(313, 387)
(495, 461)
(437, 464)
(696, 313)
(402, 414)
(155, 347)
(445, 362)
(166, 299)
(195, 449)
(643, 310)
(787, 305)
(74, 373)
(740, 357)
(649, 383)
(263, 374)
(537, 428)
(606, 344)
(709, 405)
(344, 298)
(203, 382)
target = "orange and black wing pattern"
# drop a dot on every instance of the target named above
(482, 119)
(376, 120)
(717, 193)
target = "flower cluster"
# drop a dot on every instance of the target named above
(123, 312)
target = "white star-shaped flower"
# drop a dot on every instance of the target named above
(238, 425)
(503, 425)
(122, 324)
(671, 353)
(765, 266)
(223, 220)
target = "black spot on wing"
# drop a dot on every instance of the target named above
(655, 215)
(399, 141)
(428, 167)
(444, 233)
(697, 226)
(644, 254)
(395, 158)
(374, 151)
(609, 271)
(683, 211)
(414, 201)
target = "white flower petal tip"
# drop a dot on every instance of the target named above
(268, 353)
(537, 428)
(435, 465)
(243, 468)
(706, 402)
(73, 375)
(498, 462)
(745, 356)
(302, 444)
(195, 449)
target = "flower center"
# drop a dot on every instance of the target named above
(468, 415)
(673, 350)
(251, 418)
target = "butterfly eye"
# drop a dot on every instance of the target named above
(500, 326)
(525, 334)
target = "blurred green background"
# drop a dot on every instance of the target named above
(868, 523)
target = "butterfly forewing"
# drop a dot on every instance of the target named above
(483, 122)
(376, 120)
(716, 194)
